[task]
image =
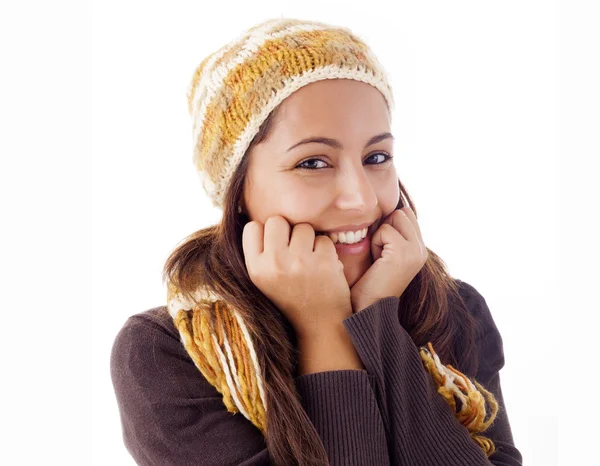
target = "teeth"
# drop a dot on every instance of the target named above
(348, 237)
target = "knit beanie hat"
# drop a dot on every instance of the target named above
(232, 92)
(234, 89)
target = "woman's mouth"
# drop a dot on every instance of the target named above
(351, 242)
(347, 237)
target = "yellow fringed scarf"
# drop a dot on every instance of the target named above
(223, 351)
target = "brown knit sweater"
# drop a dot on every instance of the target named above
(388, 414)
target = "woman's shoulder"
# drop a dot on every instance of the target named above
(477, 307)
(149, 333)
(147, 351)
(488, 339)
(156, 318)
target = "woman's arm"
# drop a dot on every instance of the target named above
(171, 415)
(423, 429)
(345, 412)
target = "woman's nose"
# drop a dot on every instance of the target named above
(355, 190)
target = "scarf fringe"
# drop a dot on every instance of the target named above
(218, 341)
(451, 385)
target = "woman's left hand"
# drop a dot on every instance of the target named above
(398, 255)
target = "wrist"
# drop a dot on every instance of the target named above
(324, 328)
(322, 334)
(361, 304)
(329, 350)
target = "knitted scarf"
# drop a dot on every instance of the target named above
(218, 341)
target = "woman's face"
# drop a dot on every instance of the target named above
(351, 184)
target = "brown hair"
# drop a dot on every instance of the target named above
(431, 310)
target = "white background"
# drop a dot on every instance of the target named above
(496, 131)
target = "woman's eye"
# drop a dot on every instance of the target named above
(310, 162)
(386, 157)
(303, 165)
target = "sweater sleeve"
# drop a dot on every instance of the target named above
(344, 409)
(171, 415)
(422, 428)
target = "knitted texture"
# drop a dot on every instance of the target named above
(219, 343)
(453, 384)
(234, 89)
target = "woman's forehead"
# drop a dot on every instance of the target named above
(331, 95)
(332, 108)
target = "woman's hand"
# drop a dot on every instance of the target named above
(307, 285)
(398, 254)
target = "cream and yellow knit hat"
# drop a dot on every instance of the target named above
(234, 89)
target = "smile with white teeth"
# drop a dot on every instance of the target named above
(347, 237)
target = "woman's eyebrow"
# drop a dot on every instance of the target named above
(337, 144)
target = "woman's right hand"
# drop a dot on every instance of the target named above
(307, 285)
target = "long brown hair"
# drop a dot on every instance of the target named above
(431, 310)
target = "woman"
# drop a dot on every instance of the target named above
(302, 328)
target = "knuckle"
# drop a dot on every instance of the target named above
(271, 222)
(276, 220)
(323, 241)
(296, 267)
(248, 227)
(302, 226)
(325, 245)
(304, 229)
(399, 214)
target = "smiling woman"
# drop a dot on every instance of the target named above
(312, 310)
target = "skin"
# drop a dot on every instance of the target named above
(351, 185)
